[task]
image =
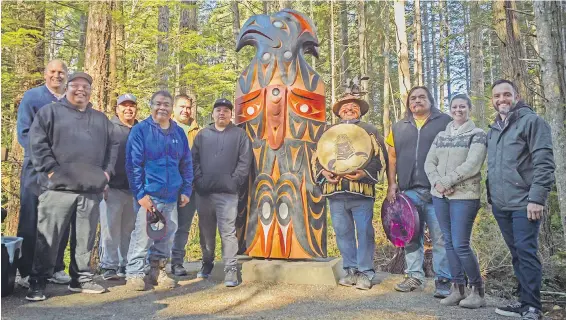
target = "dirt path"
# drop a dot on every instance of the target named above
(204, 299)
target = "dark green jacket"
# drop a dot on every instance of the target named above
(520, 160)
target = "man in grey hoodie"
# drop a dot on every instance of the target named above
(222, 157)
(520, 174)
(74, 153)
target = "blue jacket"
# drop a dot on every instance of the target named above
(159, 164)
(32, 101)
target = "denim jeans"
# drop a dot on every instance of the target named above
(117, 221)
(456, 219)
(521, 236)
(141, 244)
(414, 251)
(185, 218)
(355, 236)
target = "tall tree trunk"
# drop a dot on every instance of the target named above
(265, 6)
(163, 47)
(386, 79)
(446, 34)
(96, 51)
(402, 50)
(426, 44)
(362, 44)
(417, 45)
(121, 44)
(188, 22)
(441, 54)
(332, 64)
(511, 52)
(434, 46)
(39, 50)
(235, 20)
(550, 17)
(477, 61)
(82, 41)
(113, 57)
(285, 4)
(344, 49)
(467, 47)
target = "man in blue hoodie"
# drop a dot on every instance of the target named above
(53, 90)
(160, 171)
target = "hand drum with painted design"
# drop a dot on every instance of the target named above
(400, 220)
(344, 148)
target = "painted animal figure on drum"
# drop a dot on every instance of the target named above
(280, 103)
(358, 151)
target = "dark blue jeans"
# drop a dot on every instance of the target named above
(355, 236)
(456, 219)
(521, 236)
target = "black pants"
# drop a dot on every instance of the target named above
(27, 225)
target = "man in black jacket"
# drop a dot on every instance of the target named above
(408, 144)
(222, 157)
(73, 151)
(117, 217)
(520, 175)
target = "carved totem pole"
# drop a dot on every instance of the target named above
(280, 103)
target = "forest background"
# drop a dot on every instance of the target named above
(189, 46)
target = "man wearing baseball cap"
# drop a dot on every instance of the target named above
(74, 153)
(117, 217)
(222, 157)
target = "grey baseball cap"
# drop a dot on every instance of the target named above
(126, 97)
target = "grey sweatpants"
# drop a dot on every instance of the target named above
(117, 221)
(56, 210)
(218, 209)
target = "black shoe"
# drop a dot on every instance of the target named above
(514, 309)
(35, 291)
(205, 270)
(86, 287)
(178, 270)
(532, 314)
(363, 281)
(443, 286)
(109, 274)
(350, 279)
(121, 273)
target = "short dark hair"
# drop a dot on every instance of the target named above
(190, 98)
(462, 96)
(509, 82)
(429, 95)
(163, 93)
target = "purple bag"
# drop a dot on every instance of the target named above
(400, 220)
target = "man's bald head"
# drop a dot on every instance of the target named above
(55, 75)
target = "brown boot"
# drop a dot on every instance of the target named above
(457, 294)
(476, 299)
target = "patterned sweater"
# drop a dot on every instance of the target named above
(455, 160)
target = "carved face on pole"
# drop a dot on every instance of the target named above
(280, 103)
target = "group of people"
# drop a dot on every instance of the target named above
(436, 159)
(75, 158)
(81, 169)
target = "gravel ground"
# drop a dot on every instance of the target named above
(205, 299)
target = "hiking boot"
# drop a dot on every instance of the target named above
(231, 278)
(458, 294)
(350, 278)
(442, 286)
(409, 284)
(178, 270)
(136, 283)
(205, 270)
(60, 277)
(153, 273)
(363, 281)
(86, 287)
(24, 282)
(121, 272)
(476, 299)
(109, 274)
(164, 281)
(532, 314)
(514, 309)
(36, 290)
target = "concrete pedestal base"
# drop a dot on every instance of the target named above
(314, 272)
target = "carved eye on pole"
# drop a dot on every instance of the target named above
(304, 108)
(278, 24)
(250, 110)
(275, 92)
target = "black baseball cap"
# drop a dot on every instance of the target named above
(82, 75)
(223, 102)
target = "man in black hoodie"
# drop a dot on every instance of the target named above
(74, 153)
(222, 157)
(117, 217)
(520, 174)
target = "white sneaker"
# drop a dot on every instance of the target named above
(24, 282)
(60, 277)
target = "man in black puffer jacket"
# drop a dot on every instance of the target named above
(222, 157)
(74, 153)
